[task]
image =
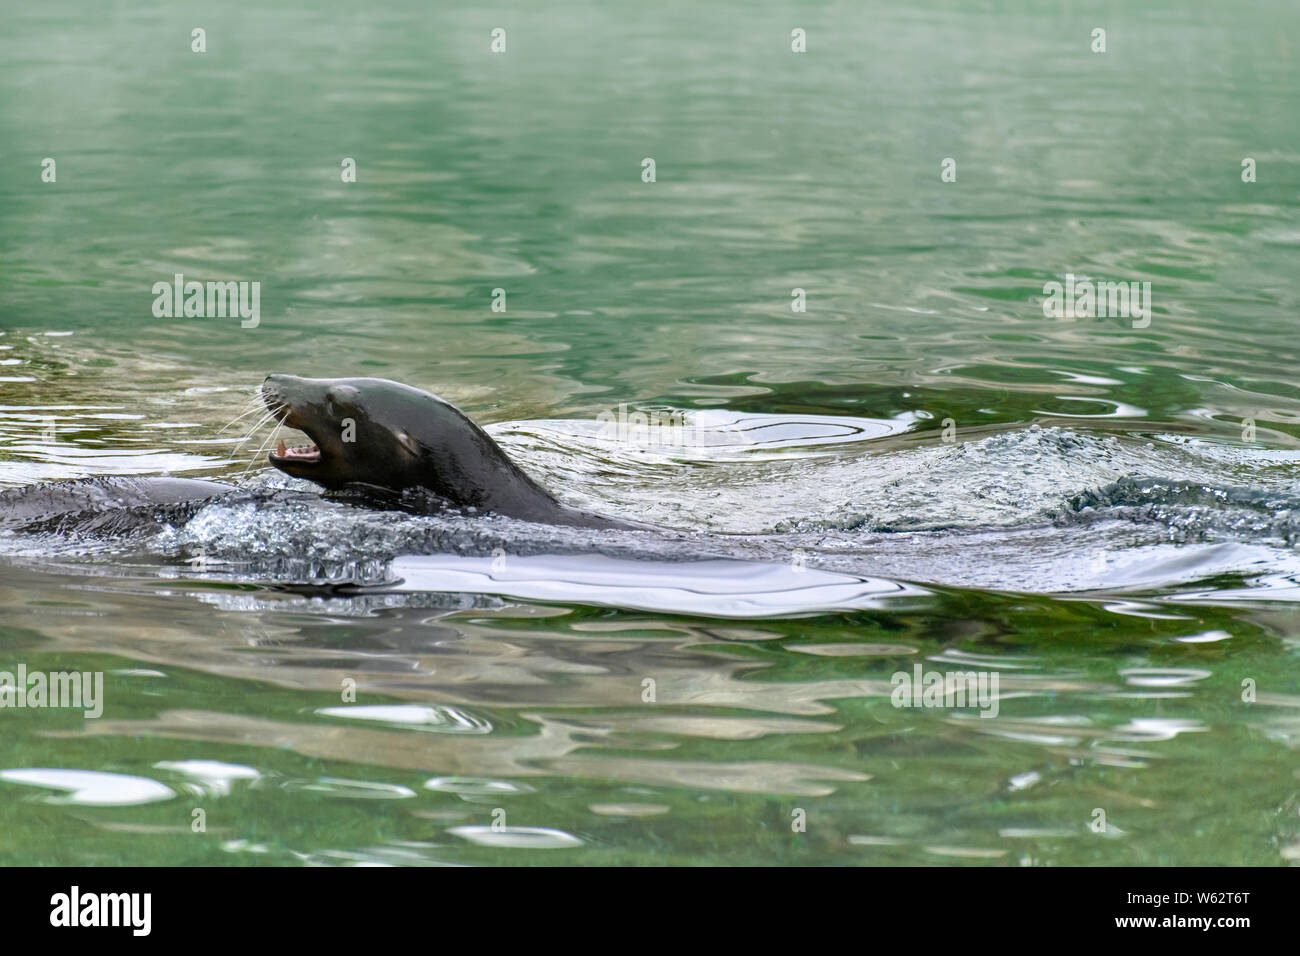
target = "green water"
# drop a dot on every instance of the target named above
(774, 171)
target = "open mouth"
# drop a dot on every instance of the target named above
(288, 415)
(300, 454)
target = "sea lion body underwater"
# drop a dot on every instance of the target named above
(106, 505)
(370, 435)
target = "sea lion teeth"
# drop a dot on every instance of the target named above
(279, 449)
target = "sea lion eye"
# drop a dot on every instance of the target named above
(339, 395)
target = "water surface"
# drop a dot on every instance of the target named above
(921, 469)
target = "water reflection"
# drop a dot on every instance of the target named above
(494, 707)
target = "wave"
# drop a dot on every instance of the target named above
(766, 515)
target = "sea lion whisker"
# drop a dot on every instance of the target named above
(269, 415)
(251, 407)
(234, 421)
(269, 438)
(266, 417)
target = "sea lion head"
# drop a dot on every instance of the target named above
(375, 433)
(371, 431)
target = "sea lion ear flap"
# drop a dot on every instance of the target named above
(407, 442)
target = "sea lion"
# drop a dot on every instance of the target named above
(383, 442)
(375, 433)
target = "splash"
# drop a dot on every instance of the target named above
(767, 516)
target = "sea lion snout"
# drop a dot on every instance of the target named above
(302, 402)
(288, 390)
(295, 403)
